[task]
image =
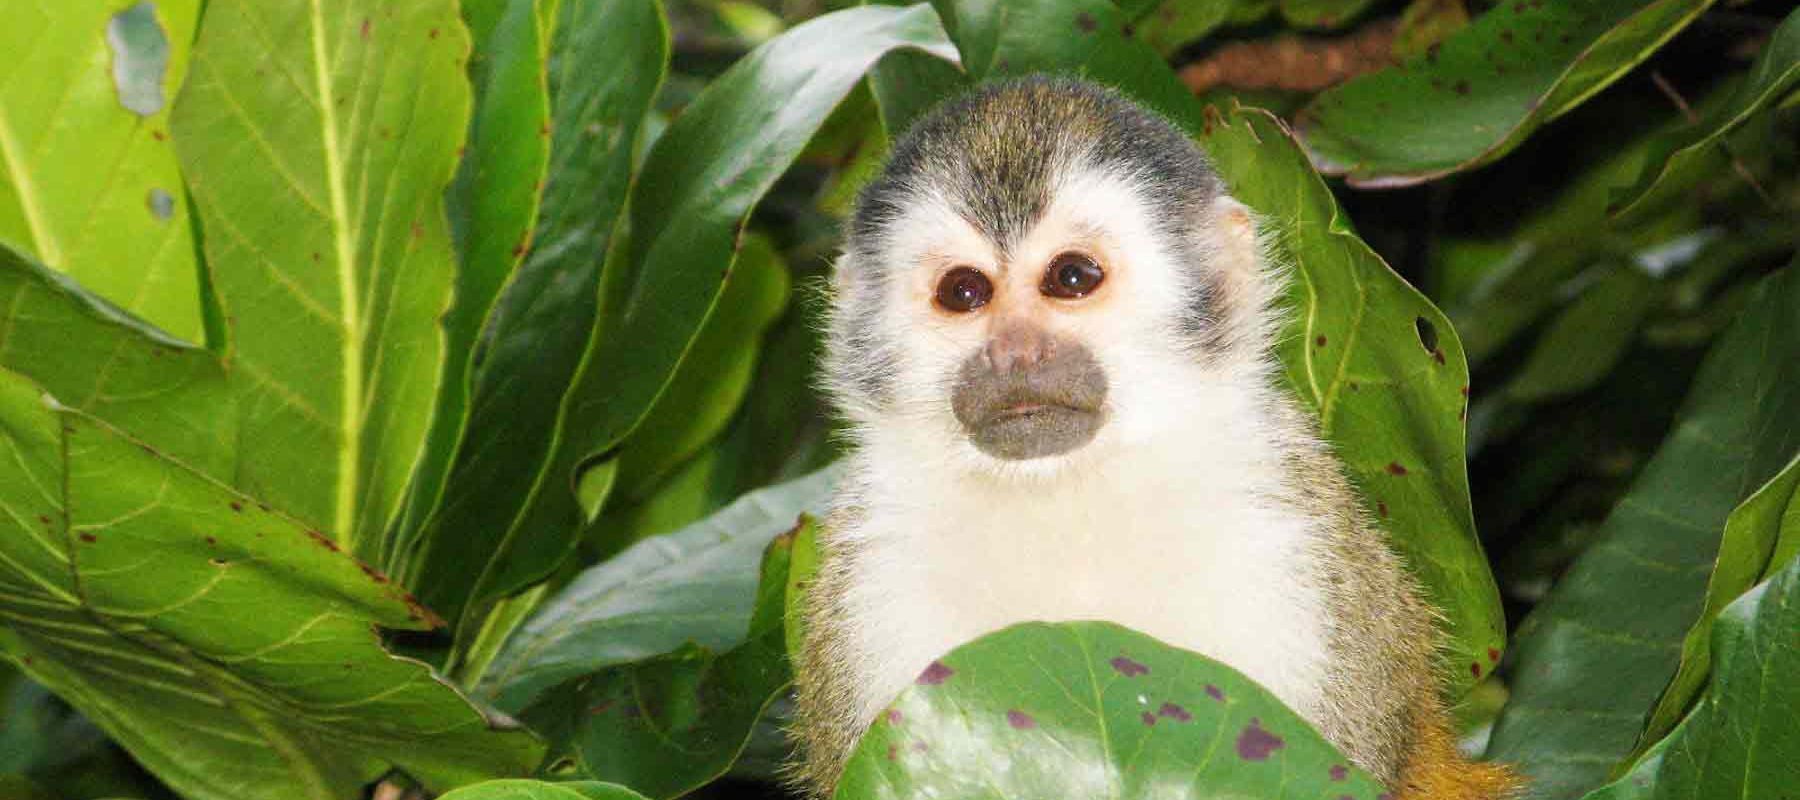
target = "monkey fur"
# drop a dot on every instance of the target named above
(1126, 455)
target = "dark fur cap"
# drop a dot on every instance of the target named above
(997, 148)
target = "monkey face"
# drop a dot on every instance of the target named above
(1043, 273)
(1020, 349)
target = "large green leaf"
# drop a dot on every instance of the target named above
(1479, 93)
(539, 790)
(673, 723)
(318, 138)
(88, 182)
(1380, 366)
(715, 374)
(1090, 709)
(711, 167)
(1747, 554)
(95, 358)
(1740, 740)
(1777, 70)
(697, 585)
(1596, 652)
(492, 206)
(607, 59)
(124, 584)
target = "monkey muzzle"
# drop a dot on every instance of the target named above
(1027, 395)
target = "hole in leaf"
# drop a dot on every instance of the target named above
(1427, 334)
(140, 53)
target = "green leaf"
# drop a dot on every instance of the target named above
(1322, 13)
(318, 141)
(1090, 709)
(1478, 94)
(673, 723)
(492, 205)
(1740, 740)
(88, 184)
(1174, 23)
(92, 356)
(539, 790)
(1747, 554)
(714, 376)
(1776, 71)
(124, 580)
(694, 585)
(1427, 22)
(608, 58)
(1380, 366)
(712, 166)
(1595, 653)
(1585, 340)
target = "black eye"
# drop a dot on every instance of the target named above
(1071, 275)
(964, 289)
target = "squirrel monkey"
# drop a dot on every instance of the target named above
(1050, 336)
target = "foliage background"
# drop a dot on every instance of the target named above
(484, 326)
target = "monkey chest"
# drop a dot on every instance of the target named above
(1227, 585)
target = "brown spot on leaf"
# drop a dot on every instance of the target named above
(1461, 88)
(1215, 693)
(89, 538)
(935, 674)
(894, 716)
(1174, 712)
(1339, 772)
(1438, 355)
(1085, 22)
(1255, 743)
(1320, 341)
(1475, 668)
(1493, 654)
(237, 506)
(322, 540)
(1394, 468)
(1129, 668)
(211, 542)
(1020, 720)
(159, 135)
(364, 31)
(1381, 508)
(433, 34)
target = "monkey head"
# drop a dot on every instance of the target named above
(1043, 270)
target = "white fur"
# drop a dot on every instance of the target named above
(1165, 522)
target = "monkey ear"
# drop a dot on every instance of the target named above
(1234, 228)
(1240, 256)
(1243, 278)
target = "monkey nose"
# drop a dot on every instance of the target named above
(1017, 348)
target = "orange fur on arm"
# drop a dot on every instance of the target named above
(1437, 771)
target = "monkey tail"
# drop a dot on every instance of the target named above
(1438, 771)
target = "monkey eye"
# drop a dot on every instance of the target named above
(964, 289)
(1071, 275)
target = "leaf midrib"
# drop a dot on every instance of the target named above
(350, 426)
(27, 192)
